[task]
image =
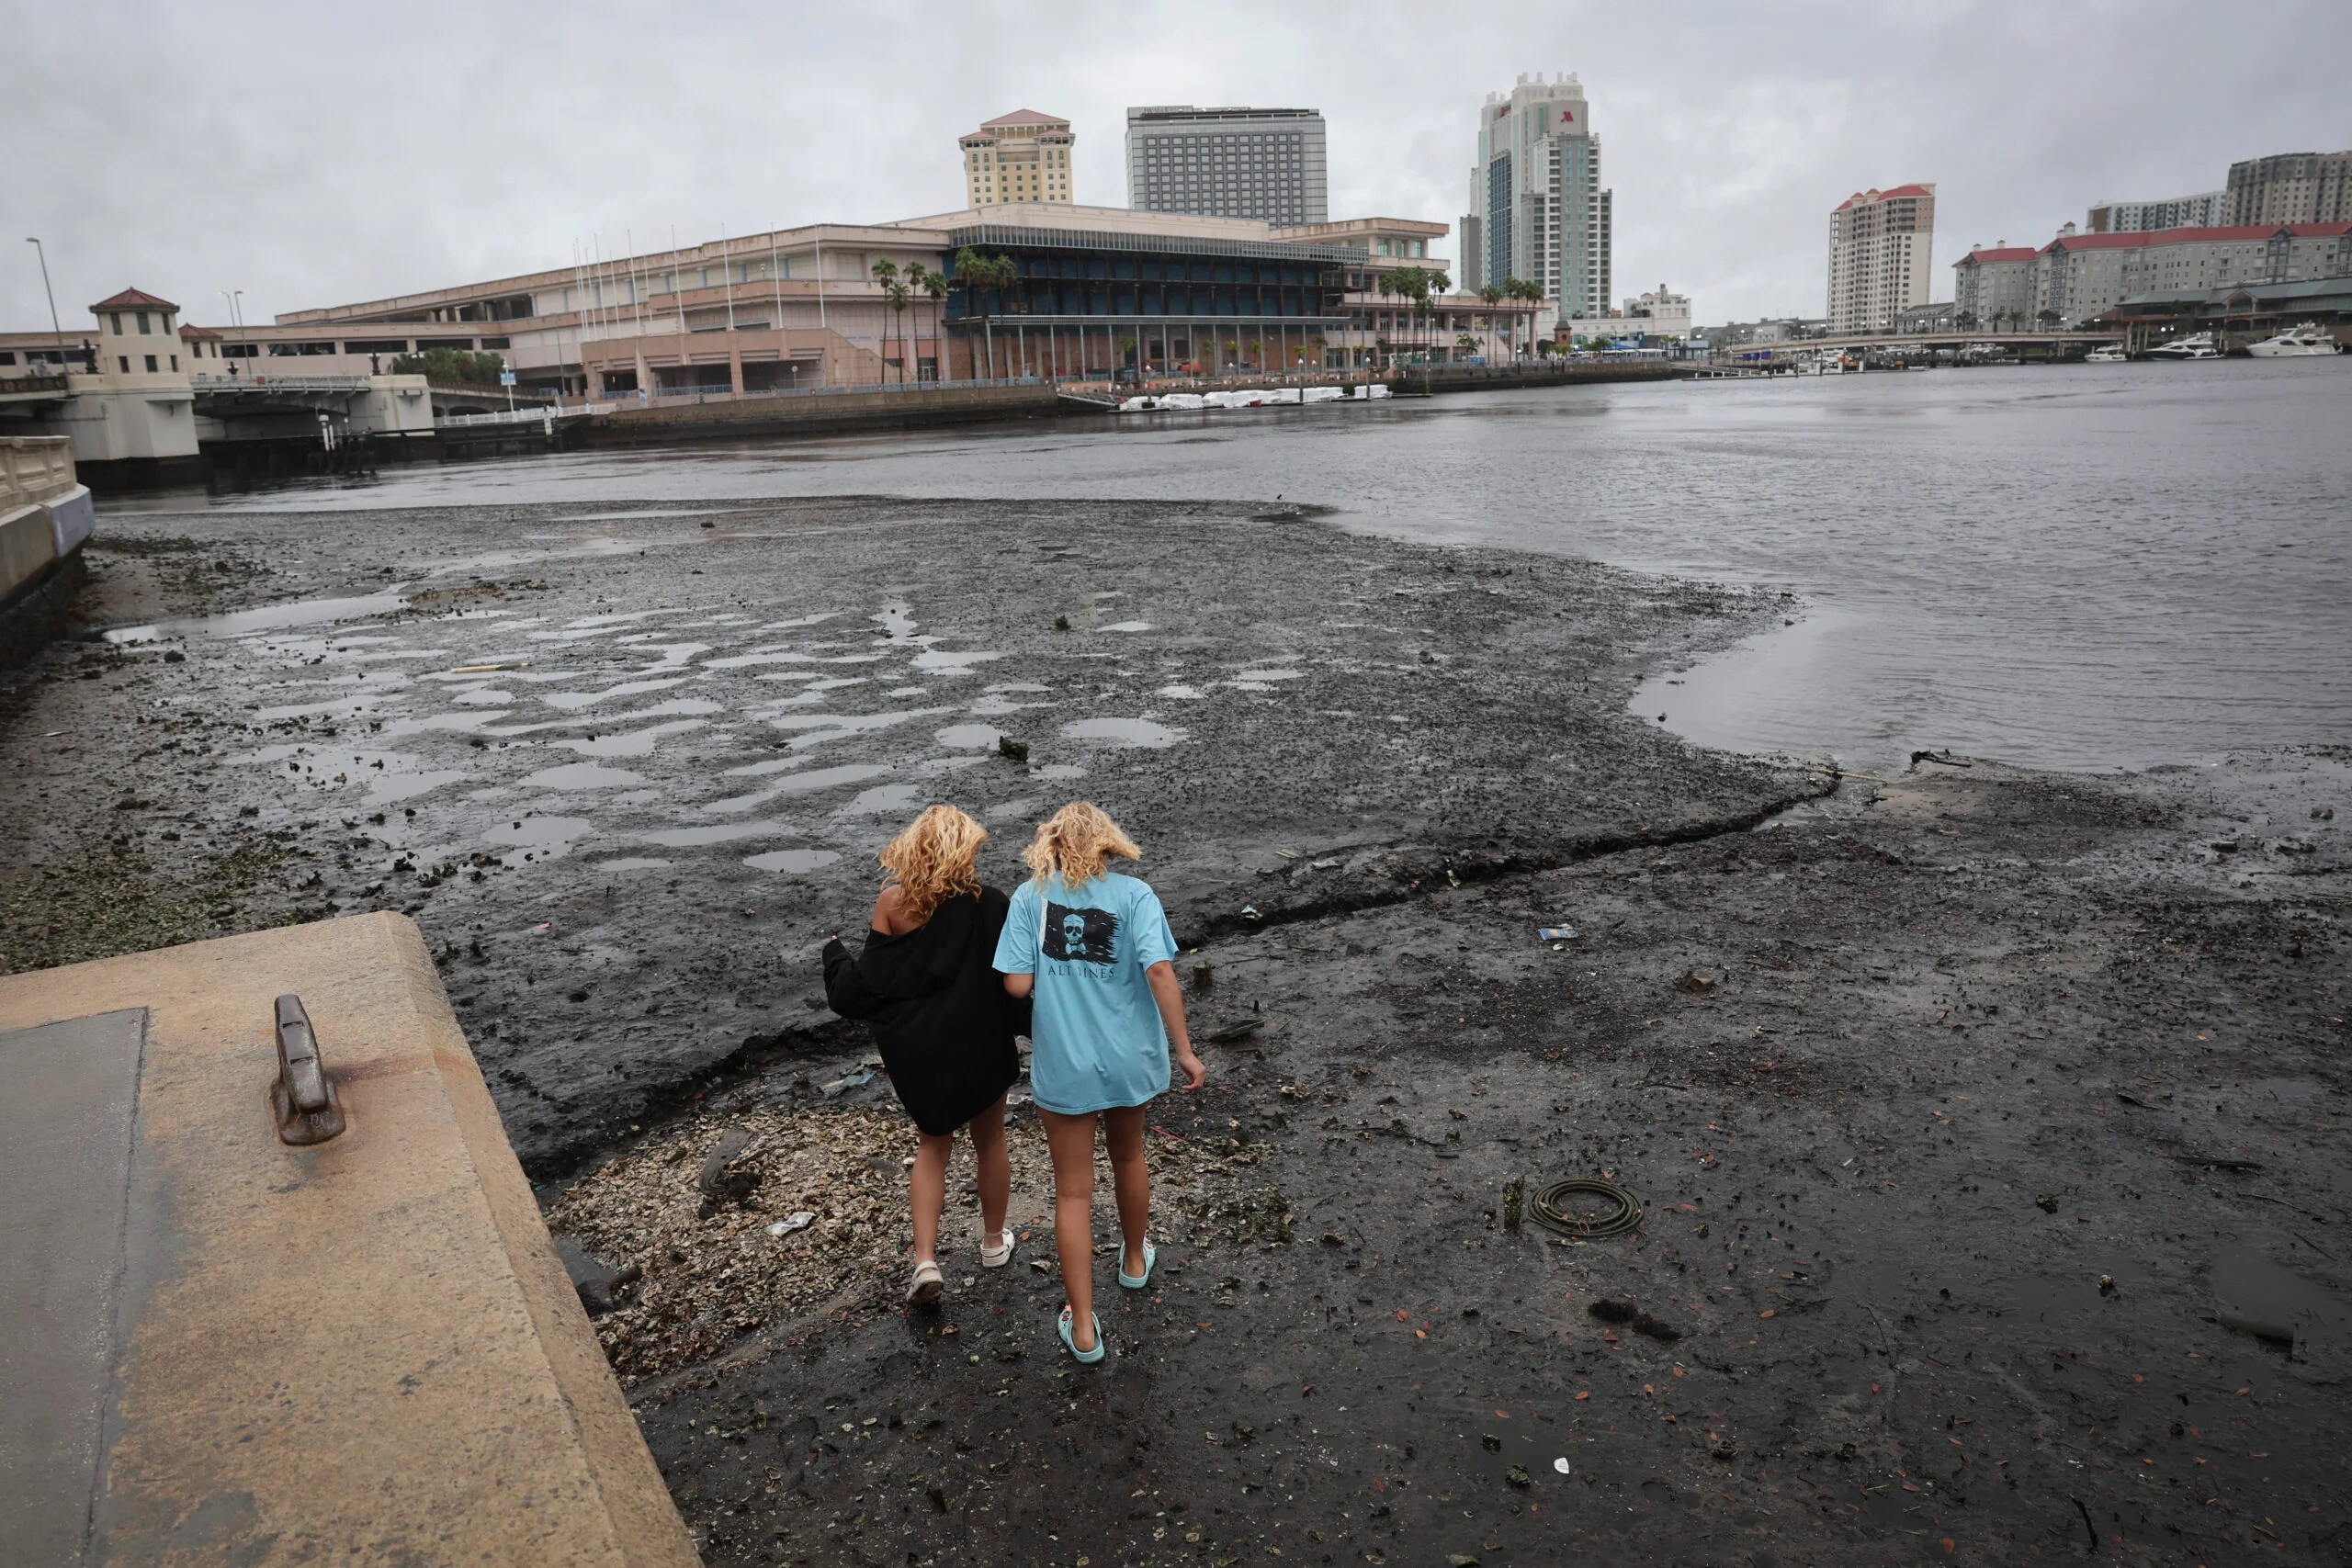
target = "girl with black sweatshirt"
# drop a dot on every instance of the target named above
(939, 1011)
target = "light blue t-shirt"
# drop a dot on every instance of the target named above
(1099, 1040)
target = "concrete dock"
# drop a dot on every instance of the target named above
(225, 1347)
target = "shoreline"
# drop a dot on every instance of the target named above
(1852, 1037)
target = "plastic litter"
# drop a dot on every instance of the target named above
(799, 1221)
(1562, 1466)
(1556, 933)
(1249, 913)
(846, 1082)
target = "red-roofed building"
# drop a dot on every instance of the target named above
(1880, 246)
(1993, 287)
(1020, 156)
(2079, 277)
(134, 299)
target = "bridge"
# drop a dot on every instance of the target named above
(229, 396)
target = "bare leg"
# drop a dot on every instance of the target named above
(1070, 1139)
(929, 1192)
(1131, 1180)
(996, 1169)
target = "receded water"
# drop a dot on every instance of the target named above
(2084, 566)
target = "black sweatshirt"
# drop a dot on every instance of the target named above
(938, 1009)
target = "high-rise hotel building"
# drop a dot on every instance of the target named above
(1879, 246)
(1229, 163)
(1020, 156)
(1538, 211)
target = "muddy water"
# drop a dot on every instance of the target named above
(2087, 566)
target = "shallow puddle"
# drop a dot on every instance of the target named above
(794, 860)
(580, 775)
(267, 618)
(717, 833)
(1124, 732)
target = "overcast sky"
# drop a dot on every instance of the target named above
(314, 154)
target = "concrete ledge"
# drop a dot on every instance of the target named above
(362, 1352)
(28, 544)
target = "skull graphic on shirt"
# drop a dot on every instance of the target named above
(1089, 936)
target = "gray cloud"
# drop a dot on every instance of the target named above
(313, 154)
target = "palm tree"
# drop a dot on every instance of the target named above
(898, 293)
(886, 273)
(933, 284)
(1965, 320)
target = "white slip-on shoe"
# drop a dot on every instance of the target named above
(997, 1251)
(928, 1281)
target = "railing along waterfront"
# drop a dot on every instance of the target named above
(649, 396)
(540, 414)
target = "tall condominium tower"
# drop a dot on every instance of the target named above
(2291, 187)
(1020, 156)
(1228, 163)
(2206, 209)
(1538, 211)
(1879, 246)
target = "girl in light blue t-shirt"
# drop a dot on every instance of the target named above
(1094, 951)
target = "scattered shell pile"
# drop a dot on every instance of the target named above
(709, 1271)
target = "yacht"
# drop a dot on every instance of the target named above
(2195, 345)
(2105, 354)
(2293, 342)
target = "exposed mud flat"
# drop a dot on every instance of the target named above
(631, 771)
(1986, 1122)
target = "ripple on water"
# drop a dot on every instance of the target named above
(1181, 694)
(1124, 732)
(960, 735)
(793, 861)
(1129, 626)
(1059, 770)
(629, 863)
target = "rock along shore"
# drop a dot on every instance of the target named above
(1976, 1114)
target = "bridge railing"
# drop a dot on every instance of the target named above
(279, 383)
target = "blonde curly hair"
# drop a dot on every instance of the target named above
(1075, 845)
(932, 860)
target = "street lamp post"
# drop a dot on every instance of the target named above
(55, 330)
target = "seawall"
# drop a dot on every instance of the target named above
(45, 516)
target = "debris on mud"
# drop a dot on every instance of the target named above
(727, 1223)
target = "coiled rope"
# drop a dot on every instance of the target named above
(1586, 1208)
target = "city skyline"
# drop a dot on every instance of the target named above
(195, 184)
